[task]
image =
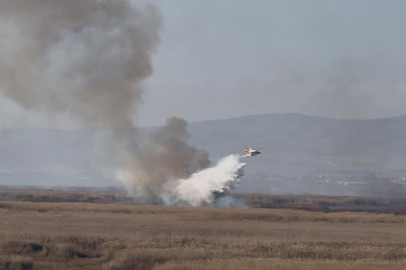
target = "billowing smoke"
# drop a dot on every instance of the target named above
(86, 59)
(165, 156)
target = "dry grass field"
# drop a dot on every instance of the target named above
(118, 236)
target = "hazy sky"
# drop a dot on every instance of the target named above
(228, 58)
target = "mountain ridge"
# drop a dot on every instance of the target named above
(295, 145)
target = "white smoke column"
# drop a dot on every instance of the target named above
(201, 186)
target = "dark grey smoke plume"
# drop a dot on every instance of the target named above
(83, 57)
(86, 59)
(164, 157)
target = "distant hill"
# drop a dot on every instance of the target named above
(290, 139)
(300, 149)
(295, 145)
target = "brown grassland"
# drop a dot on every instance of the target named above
(66, 234)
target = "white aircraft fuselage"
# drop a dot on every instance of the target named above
(252, 152)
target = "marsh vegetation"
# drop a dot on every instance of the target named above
(120, 235)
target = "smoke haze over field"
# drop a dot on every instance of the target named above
(86, 60)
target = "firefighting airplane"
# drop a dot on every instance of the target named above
(252, 152)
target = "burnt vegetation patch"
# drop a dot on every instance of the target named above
(312, 203)
(339, 251)
(59, 196)
(60, 248)
(22, 248)
(327, 204)
(16, 264)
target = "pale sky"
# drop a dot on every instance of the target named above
(221, 59)
(229, 58)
